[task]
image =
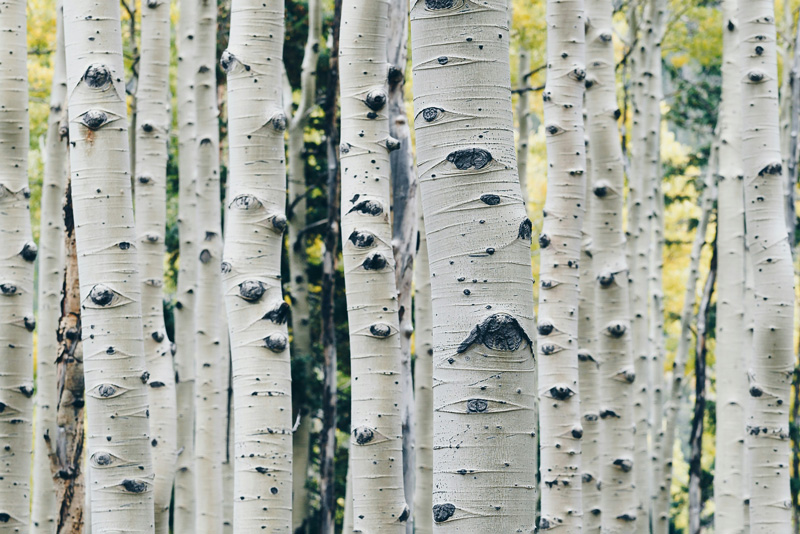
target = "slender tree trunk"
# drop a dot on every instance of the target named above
(696, 434)
(796, 449)
(347, 522)
(17, 321)
(210, 353)
(560, 246)
(328, 335)
(423, 383)
(523, 119)
(114, 365)
(731, 377)
(228, 471)
(301, 447)
(44, 510)
(794, 134)
(773, 356)
(482, 292)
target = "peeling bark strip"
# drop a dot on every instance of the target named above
(376, 447)
(482, 291)
(110, 288)
(16, 273)
(770, 499)
(252, 283)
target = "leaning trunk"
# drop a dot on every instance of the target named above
(482, 292)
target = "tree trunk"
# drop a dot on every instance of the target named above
(184, 505)
(252, 267)
(347, 522)
(731, 378)
(482, 292)
(560, 248)
(301, 447)
(210, 353)
(114, 365)
(423, 383)
(51, 281)
(771, 368)
(377, 391)
(794, 133)
(228, 472)
(523, 119)
(152, 137)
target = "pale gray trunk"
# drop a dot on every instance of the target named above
(301, 447)
(523, 120)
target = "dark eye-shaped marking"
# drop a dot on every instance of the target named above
(439, 4)
(362, 239)
(554, 129)
(276, 342)
(606, 279)
(624, 464)
(29, 251)
(94, 119)
(477, 406)
(756, 76)
(134, 486)
(375, 262)
(102, 296)
(578, 74)
(106, 391)
(8, 289)
(279, 314)
(432, 114)
(97, 76)
(376, 99)
(279, 122)
(626, 375)
(469, 158)
(525, 230)
(205, 256)
(545, 328)
(368, 207)
(544, 241)
(29, 322)
(363, 435)
(278, 223)
(601, 188)
(245, 202)
(549, 349)
(616, 330)
(549, 284)
(490, 199)
(500, 332)
(102, 459)
(251, 290)
(381, 330)
(560, 392)
(443, 512)
(227, 61)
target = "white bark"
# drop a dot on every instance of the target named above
(300, 451)
(731, 378)
(376, 445)
(560, 247)
(523, 119)
(347, 522)
(423, 384)
(51, 280)
(479, 245)
(257, 313)
(612, 319)
(16, 274)
(770, 371)
(118, 432)
(228, 472)
(211, 354)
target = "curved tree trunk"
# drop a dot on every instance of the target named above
(773, 357)
(257, 313)
(482, 292)
(211, 378)
(114, 364)
(44, 511)
(376, 445)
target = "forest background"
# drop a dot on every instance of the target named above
(692, 66)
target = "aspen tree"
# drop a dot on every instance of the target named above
(771, 367)
(376, 445)
(423, 384)
(51, 281)
(118, 432)
(257, 313)
(731, 378)
(228, 473)
(347, 520)
(187, 274)
(301, 446)
(479, 245)
(211, 353)
(612, 315)
(523, 119)
(560, 246)
(16, 274)
(152, 132)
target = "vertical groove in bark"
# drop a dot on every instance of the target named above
(771, 368)
(731, 378)
(118, 431)
(257, 312)
(617, 376)
(17, 320)
(210, 336)
(228, 473)
(482, 291)
(152, 133)
(523, 119)
(44, 511)
(300, 452)
(376, 445)
(423, 383)
(560, 244)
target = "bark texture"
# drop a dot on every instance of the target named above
(479, 244)
(257, 312)
(118, 432)
(377, 394)
(301, 444)
(771, 367)
(523, 120)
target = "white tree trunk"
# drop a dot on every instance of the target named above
(770, 372)
(523, 119)
(16, 274)
(211, 354)
(51, 280)
(423, 384)
(482, 292)
(152, 138)
(731, 377)
(560, 248)
(114, 364)
(257, 312)
(347, 522)
(228, 472)
(300, 451)
(612, 317)
(376, 445)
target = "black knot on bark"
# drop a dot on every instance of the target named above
(152, 238)
(606, 279)
(94, 119)
(578, 74)
(362, 239)
(577, 432)
(134, 486)
(279, 122)
(8, 289)
(279, 223)
(731, 26)
(27, 391)
(772, 168)
(500, 332)
(490, 199)
(344, 148)
(124, 245)
(106, 390)
(205, 256)
(756, 391)
(468, 158)
(226, 61)
(552, 129)
(392, 144)
(102, 458)
(144, 179)
(525, 230)
(97, 76)
(605, 414)
(561, 392)
(368, 207)
(544, 241)
(376, 99)
(157, 336)
(629, 376)
(29, 251)
(101, 295)
(156, 384)
(245, 202)
(624, 464)
(405, 515)
(276, 342)
(225, 267)
(147, 127)
(279, 314)
(363, 435)
(380, 330)
(756, 76)
(628, 518)
(432, 113)
(759, 50)
(584, 356)
(477, 406)
(251, 290)
(29, 322)
(145, 377)
(545, 328)
(374, 262)
(549, 349)
(395, 76)
(616, 330)
(4, 517)
(443, 512)
(601, 189)
(605, 37)
(586, 478)
(152, 4)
